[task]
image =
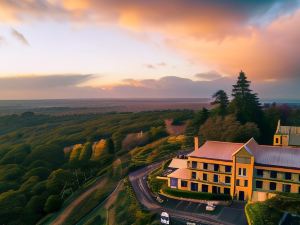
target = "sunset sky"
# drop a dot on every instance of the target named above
(142, 48)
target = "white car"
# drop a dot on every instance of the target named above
(164, 218)
(210, 207)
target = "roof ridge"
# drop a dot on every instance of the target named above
(273, 146)
(227, 142)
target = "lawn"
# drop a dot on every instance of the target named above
(271, 210)
(261, 213)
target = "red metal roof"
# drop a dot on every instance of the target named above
(217, 150)
(181, 174)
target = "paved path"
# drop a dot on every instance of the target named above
(182, 210)
(68, 210)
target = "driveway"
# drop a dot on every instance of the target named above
(184, 210)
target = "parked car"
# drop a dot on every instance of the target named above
(159, 199)
(210, 207)
(164, 218)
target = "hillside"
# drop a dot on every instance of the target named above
(46, 161)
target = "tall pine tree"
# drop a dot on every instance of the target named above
(245, 104)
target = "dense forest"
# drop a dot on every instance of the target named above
(45, 160)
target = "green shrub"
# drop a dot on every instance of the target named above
(196, 195)
(286, 202)
(156, 184)
(53, 203)
(262, 214)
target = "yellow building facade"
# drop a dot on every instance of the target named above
(245, 171)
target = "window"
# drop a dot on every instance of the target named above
(272, 186)
(259, 173)
(216, 167)
(227, 180)
(216, 190)
(174, 182)
(205, 166)
(227, 169)
(245, 183)
(273, 174)
(277, 140)
(194, 186)
(288, 176)
(227, 191)
(286, 188)
(204, 176)
(216, 178)
(194, 164)
(194, 175)
(237, 182)
(204, 188)
(242, 171)
(184, 183)
(259, 184)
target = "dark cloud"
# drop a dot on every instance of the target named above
(208, 76)
(162, 64)
(42, 81)
(169, 87)
(204, 18)
(150, 66)
(19, 36)
(47, 87)
(155, 66)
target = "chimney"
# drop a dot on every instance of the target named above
(196, 142)
(278, 127)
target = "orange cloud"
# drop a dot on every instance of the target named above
(260, 38)
(76, 4)
(265, 53)
(130, 19)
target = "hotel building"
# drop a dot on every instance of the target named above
(287, 136)
(246, 171)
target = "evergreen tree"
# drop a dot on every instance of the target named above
(221, 98)
(194, 125)
(245, 104)
(110, 146)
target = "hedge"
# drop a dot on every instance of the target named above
(196, 195)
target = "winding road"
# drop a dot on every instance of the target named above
(138, 180)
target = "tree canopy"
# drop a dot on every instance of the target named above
(221, 98)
